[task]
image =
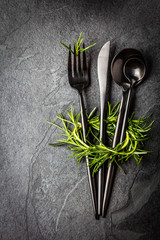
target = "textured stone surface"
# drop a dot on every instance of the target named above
(44, 195)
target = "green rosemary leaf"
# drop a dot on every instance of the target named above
(77, 46)
(56, 144)
(67, 47)
(56, 125)
(63, 119)
(92, 113)
(79, 38)
(136, 135)
(84, 49)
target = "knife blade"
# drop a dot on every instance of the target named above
(102, 68)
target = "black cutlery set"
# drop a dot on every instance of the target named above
(128, 69)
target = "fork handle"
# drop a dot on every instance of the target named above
(91, 179)
(83, 117)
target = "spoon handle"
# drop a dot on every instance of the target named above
(112, 167)
(126, 114)
(119, 121)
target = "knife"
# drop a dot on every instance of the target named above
(102, 67)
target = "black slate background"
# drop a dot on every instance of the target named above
(44, 195)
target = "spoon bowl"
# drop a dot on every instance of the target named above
(117, 66)
(134, 70)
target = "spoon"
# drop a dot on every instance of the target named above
(133, 73)
(120, 78)
(134, 70)
(119, 61)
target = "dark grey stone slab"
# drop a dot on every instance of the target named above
(44, 195)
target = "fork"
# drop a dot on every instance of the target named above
(79, 81)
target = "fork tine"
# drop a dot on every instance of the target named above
(84, 60)
(79, 63)
(69, 64)
(75, 65)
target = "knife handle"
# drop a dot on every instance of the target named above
(102, 137)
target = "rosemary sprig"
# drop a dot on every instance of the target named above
(77, 46)
(136, 135)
